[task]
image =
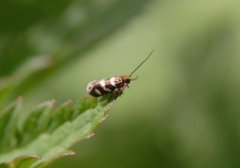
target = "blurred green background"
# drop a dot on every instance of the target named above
(184, 109)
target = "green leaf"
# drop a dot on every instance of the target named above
(20, 162)
(8, 126)
(47, 133)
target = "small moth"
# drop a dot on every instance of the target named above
(117, 84)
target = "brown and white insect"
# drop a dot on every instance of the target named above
(117, 84)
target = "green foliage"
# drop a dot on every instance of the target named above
(48, 133)
(183, 111)
(20, 162)
(38, 39)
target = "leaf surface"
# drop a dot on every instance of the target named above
(48, 133)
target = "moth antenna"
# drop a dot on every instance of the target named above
(141, 63)
(135, 78)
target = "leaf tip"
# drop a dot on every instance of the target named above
(103, 118)
(47, 103)
(66, 103)
(67, 153)
(90, 135)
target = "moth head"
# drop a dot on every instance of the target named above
(126, 79)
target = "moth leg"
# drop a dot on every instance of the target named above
(125, 85)
(120, 90)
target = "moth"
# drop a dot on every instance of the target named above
(117, 84)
